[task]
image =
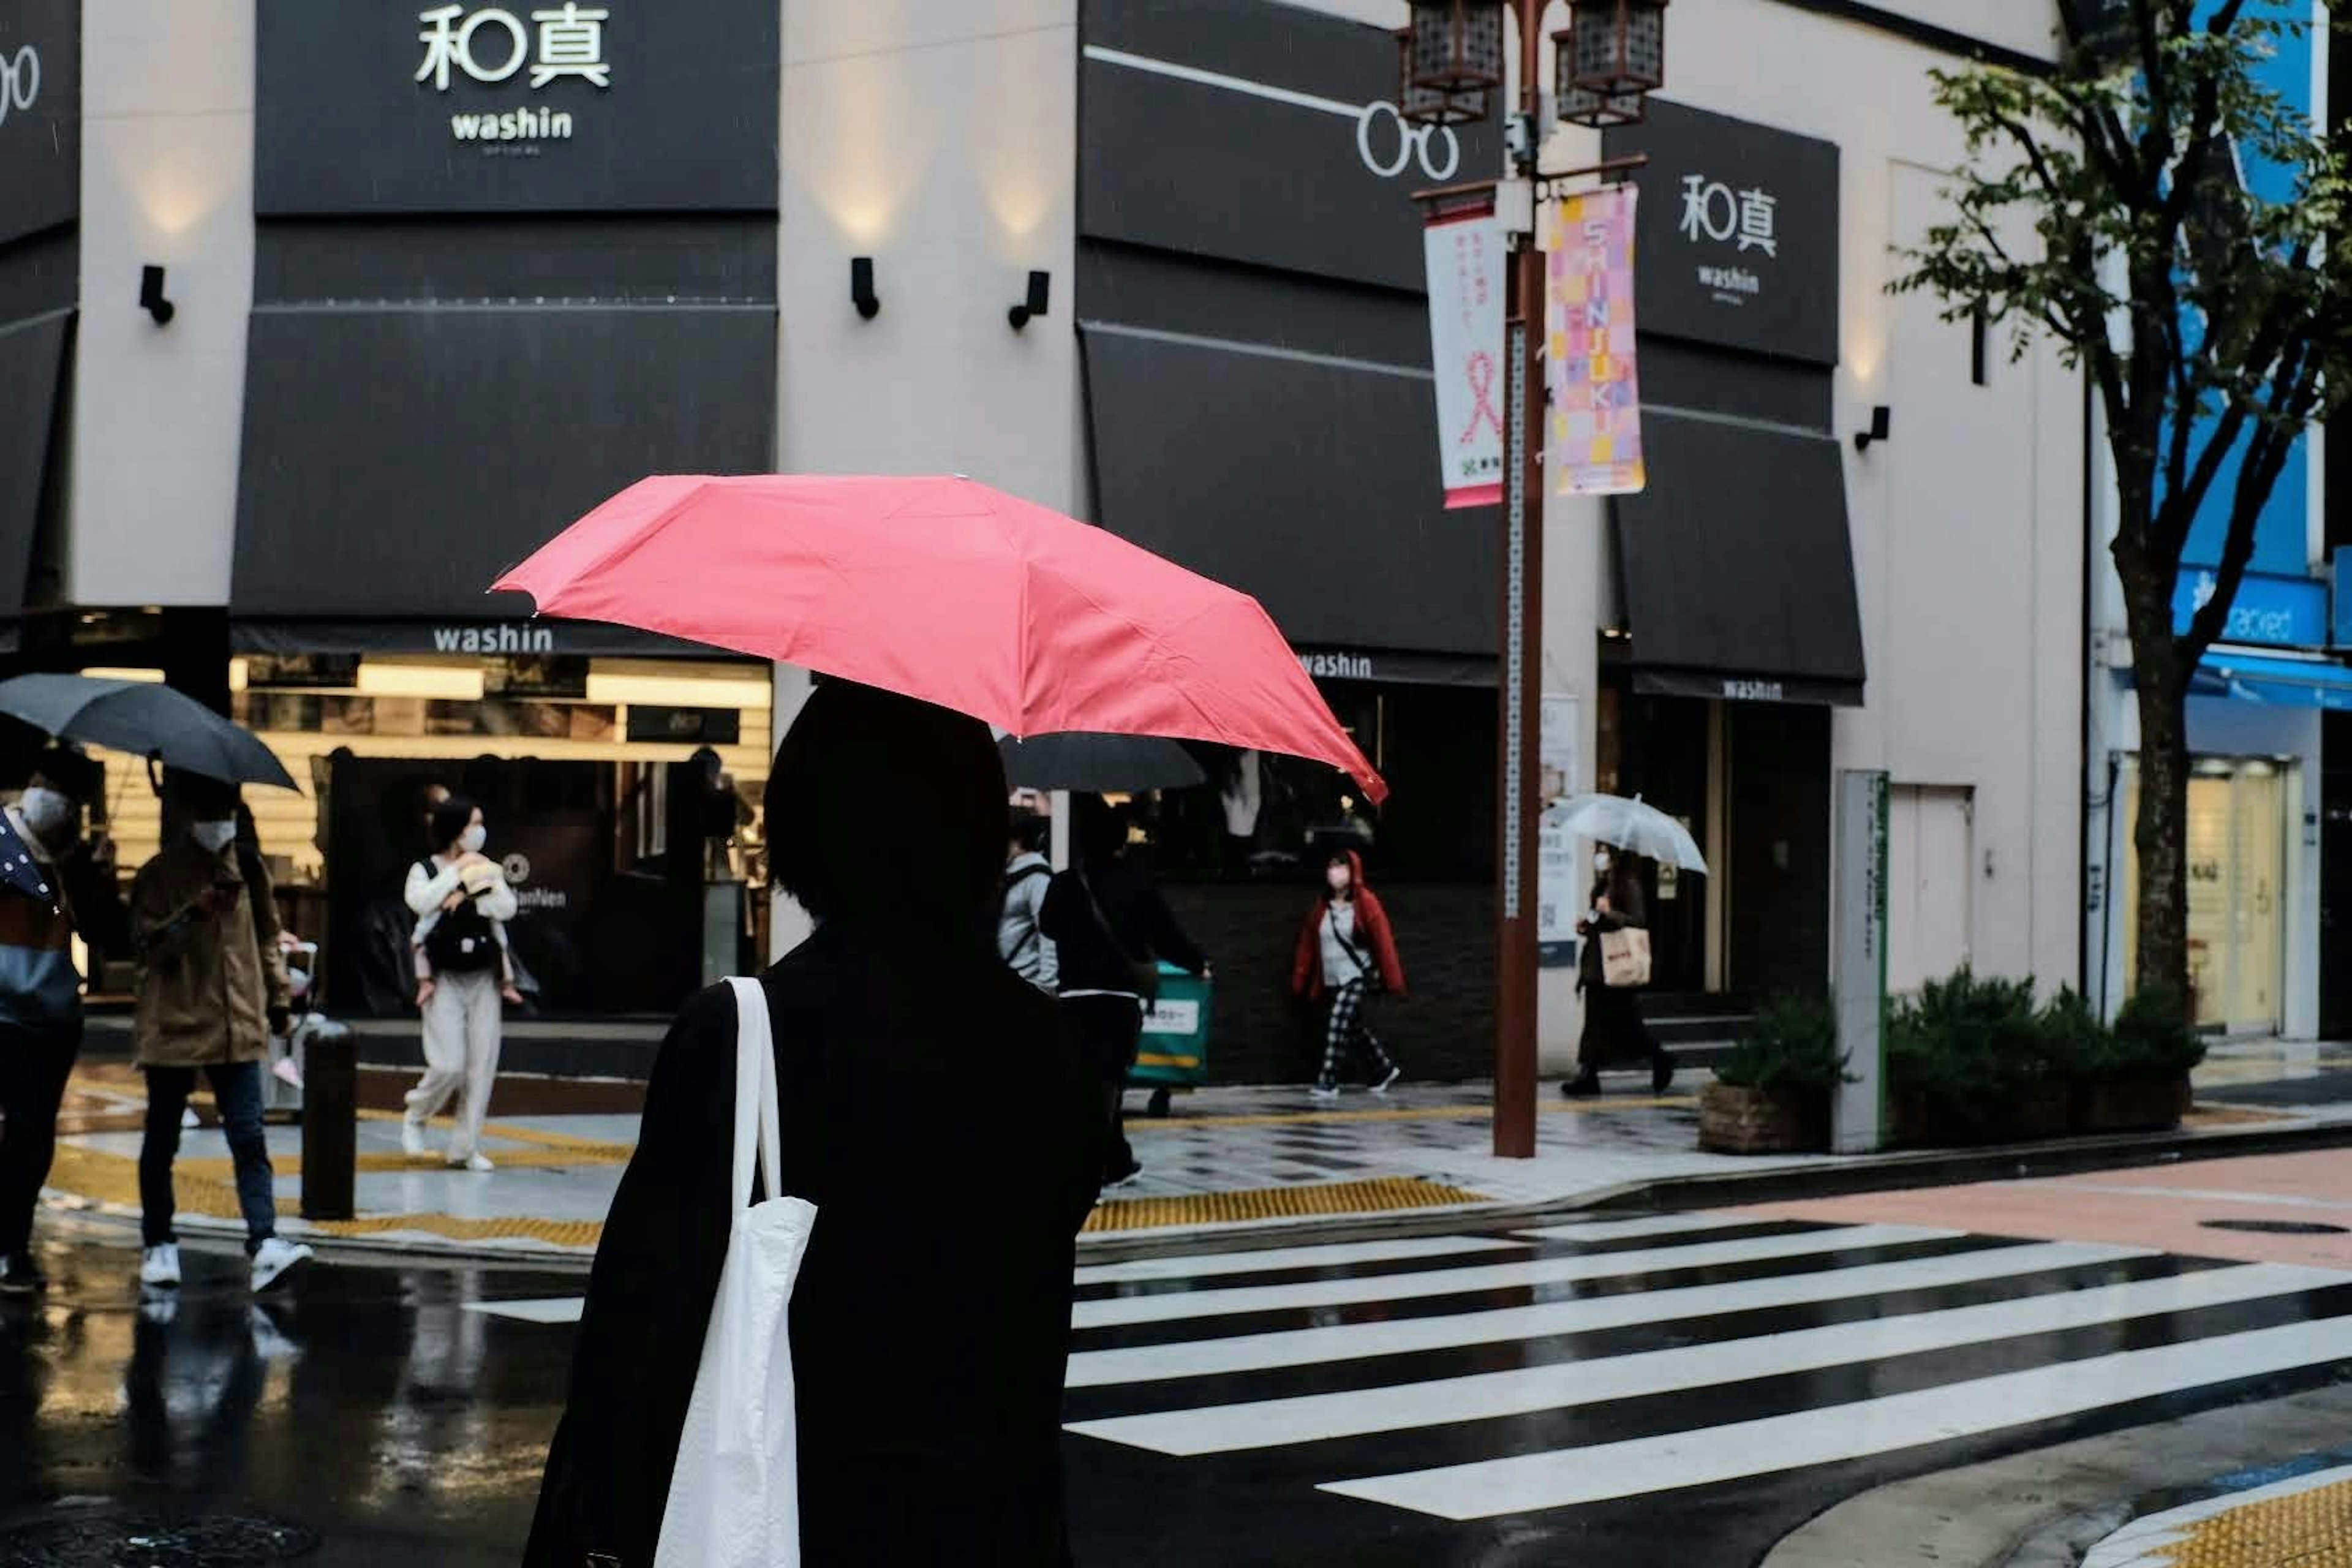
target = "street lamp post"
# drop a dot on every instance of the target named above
(1612, 54)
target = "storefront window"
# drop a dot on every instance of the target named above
(2237, 872)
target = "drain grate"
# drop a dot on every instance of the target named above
(2279, 1226)
(106, 1539)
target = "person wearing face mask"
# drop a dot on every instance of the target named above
(211, 990)
(1347, 951)
(462, 902)
(1614, 1027)
(40, 991)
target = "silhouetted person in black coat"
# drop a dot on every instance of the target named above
(929, 1347)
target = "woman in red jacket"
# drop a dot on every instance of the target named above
(1346, 951)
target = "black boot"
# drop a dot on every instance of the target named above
(1583, 1086)
(1662, 1072)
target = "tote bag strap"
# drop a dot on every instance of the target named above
(759, 1135)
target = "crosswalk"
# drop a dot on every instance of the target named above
(1495, 1376)
(1487, 1377)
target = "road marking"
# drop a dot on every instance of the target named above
(1334, 1255)
(1351, 1341)
(1648, 1224)
(1531, 1483)
(1267, 1424)
(550, 1310)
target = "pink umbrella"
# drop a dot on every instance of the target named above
(945, 590)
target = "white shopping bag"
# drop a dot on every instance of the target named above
(734, 1499)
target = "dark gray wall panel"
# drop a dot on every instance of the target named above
(32, 377)
(395, 461)
(40, 118)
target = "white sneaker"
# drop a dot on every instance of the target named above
(276, 1257)
(160, 1266)
(1321, 1091)
(476, 1161)
(412, 1138)
(1394, 1073)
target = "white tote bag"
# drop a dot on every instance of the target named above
(734, 1499)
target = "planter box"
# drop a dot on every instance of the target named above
(1762, 1121)
(2131, 1105)
(1916, 1122)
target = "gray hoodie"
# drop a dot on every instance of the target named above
(1017, 937)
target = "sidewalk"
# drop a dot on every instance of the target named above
(1227, 1159)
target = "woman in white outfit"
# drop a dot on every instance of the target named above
(465, 897)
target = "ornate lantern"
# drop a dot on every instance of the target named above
(1582, 106)
(1458, 45)
(1426, 105)
(1613, 48)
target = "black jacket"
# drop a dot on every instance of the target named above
(929, 1349)
(1090, 958)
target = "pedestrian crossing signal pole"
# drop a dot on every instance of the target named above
(1612, 56)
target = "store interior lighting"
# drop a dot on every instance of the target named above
(680, 686)
(401, 678)
(143, 677)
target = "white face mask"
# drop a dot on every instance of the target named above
(1600, 859)
(50, 814)
(213, 837)
(1339, 878)
(473, 839)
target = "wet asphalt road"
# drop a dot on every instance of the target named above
(379, 1406)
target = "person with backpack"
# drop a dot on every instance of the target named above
(1027, 873)
(460, 898)
(1347, 952)
(1110, 928)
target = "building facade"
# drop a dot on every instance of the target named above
(443, 276)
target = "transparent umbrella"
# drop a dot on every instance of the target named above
(1630, 825)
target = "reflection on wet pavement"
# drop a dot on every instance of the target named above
(367, 1401)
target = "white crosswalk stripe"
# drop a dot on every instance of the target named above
(1811, 1350)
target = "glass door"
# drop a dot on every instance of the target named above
(2237, 876)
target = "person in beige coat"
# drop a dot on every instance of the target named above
(211, 990)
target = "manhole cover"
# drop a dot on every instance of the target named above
(109, 1539)
(2279, 1226)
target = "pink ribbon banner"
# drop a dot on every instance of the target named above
(1596, 390)
(1464, 253)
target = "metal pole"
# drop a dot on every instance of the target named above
(1515, 962)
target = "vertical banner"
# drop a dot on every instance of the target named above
(1859, 963)
(1465, 255)
(1557, 902)
(1596, 394)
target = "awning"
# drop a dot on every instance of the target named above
(2272, 679)
(1309, 480)
(397, 458)
(32, 382)
(524, 636)
(1739, 572)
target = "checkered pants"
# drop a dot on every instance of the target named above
(1345, 1029)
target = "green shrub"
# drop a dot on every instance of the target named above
(1792, 1045)
(1967, 1047)
(2153, 1037)
(2080, 1047)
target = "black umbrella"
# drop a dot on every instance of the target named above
(146, 720)
(1097, 763)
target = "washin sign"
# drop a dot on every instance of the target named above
(1596, 391)
(1464, 257)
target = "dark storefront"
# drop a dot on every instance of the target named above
(1737, 630)
(1259, 408)
(41, 206)
(505, 265)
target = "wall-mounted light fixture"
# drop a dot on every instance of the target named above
(150, 296)
(1882, 420)
(1033, 304)
(861, 286)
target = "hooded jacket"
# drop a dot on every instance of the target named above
(1372, 931)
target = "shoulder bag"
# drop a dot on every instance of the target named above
(1625, 958)
(734, 1498)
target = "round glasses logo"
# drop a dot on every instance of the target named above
(1408, 141)
(20, 80)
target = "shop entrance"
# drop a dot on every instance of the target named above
(2237, 877)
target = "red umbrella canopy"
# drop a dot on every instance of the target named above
(946, 590)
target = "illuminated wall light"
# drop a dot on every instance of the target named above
(143, 677)
(681, 689)
(442, 682)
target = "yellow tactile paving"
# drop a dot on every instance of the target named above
(1135, 1124)
(1379, 1196)
(2304, 1530)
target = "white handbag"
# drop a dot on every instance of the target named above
(734, 1499)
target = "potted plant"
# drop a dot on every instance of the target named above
(2133, 1077)
(1970, 1063)
(1771, 1094)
